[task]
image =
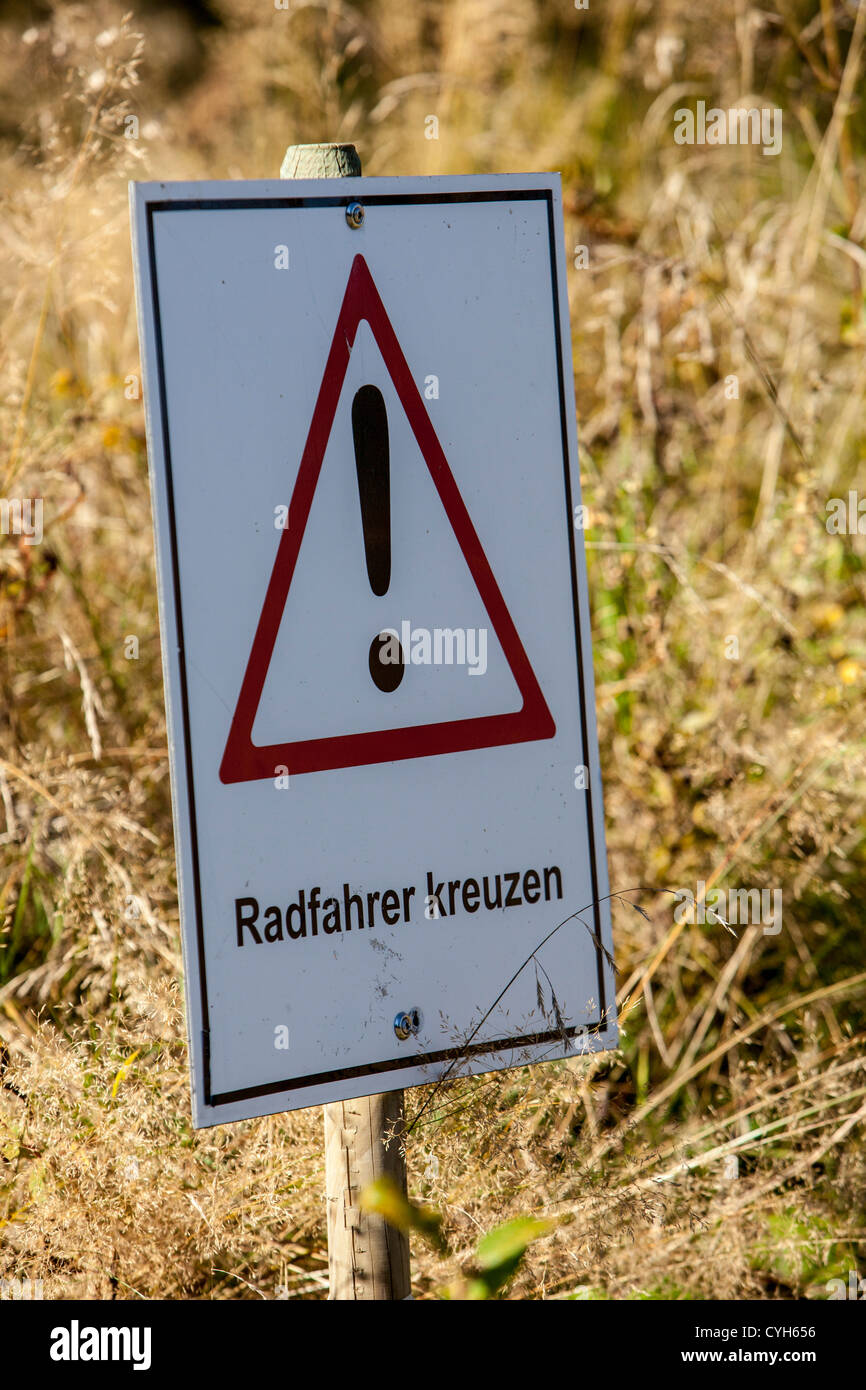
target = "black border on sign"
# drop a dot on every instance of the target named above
(449, 1054)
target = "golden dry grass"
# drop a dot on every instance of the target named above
(707, 522)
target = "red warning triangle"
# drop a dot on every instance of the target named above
(242, 760)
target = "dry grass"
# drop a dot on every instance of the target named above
(706, 523)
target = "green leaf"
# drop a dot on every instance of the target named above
(508, 1243)
(384, 1198)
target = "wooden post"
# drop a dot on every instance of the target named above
(367, 1258)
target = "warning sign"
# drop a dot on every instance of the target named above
(375, 633)
(243, 760)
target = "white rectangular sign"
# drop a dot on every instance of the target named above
(375, 632)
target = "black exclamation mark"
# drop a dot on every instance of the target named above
(372, 460)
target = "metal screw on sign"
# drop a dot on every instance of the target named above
(407, 1023)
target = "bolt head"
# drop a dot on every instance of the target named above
(407, 1022)
(355, 215)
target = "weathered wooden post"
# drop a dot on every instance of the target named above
(367, 1258)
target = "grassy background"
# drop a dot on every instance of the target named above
(720, 1152)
